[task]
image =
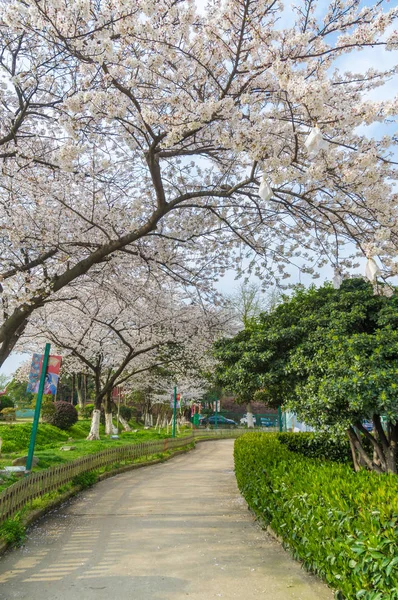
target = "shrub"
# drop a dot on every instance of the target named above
(126, 412)
(47, 410)
(13, 531)
(64, 416)
(6, 402)
(315, 445)
(8, 411)
(341, 524)
(85, 480)
(8, 414)
(87, 411)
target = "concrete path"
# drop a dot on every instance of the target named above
(173, 531)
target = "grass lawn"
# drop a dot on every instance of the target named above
(50, 440)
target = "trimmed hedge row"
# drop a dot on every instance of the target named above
(342, 525)
(318, 446)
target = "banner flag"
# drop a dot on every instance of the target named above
(52, 374)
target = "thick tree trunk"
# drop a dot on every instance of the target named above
(95, 423)
(250, 420)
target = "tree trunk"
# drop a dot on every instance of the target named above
(81, 397)
(108, 424)
(250, 420)
(95, 419)
(73, 388)
(355, 459)
(384, 448)
(95, 423)
(392, 452)
(108, 415)
(124, 423)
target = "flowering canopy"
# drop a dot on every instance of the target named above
(146, 128)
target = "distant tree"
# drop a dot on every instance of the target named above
(249, 301)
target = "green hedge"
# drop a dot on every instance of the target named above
(342, 525)
(315, 445)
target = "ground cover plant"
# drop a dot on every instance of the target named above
(342, 525)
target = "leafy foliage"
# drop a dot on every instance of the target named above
(341, 524)
(16, 437)
(6, 402)
(329, 355)
(126, 412)
(85, 480)
(47, 410)
(63, 417)
(13, 530)
(316, 445)
(87, 411)
(7, 411)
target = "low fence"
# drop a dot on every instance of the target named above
(218, 433)
(40, 483)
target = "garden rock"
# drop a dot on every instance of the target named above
(21, 461)
(67, 448)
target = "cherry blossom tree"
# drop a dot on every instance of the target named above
(117, 332)
(146, 128)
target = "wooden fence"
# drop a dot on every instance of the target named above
(40, 483)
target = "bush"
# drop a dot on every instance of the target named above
(13, 530)
(64, 416)
(341, 524)
(85, 480)
(8, 414)
(47, 410)
(6, 402)
(87, 411)
(126, 412)
(315, 445)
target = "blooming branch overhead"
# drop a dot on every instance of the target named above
(146, 128)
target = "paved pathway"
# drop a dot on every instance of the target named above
(173, 531)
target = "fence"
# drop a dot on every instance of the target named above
(264, 421)
(218, 433)
(40, 483)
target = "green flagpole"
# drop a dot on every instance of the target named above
(175, 412)
(37, 409)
